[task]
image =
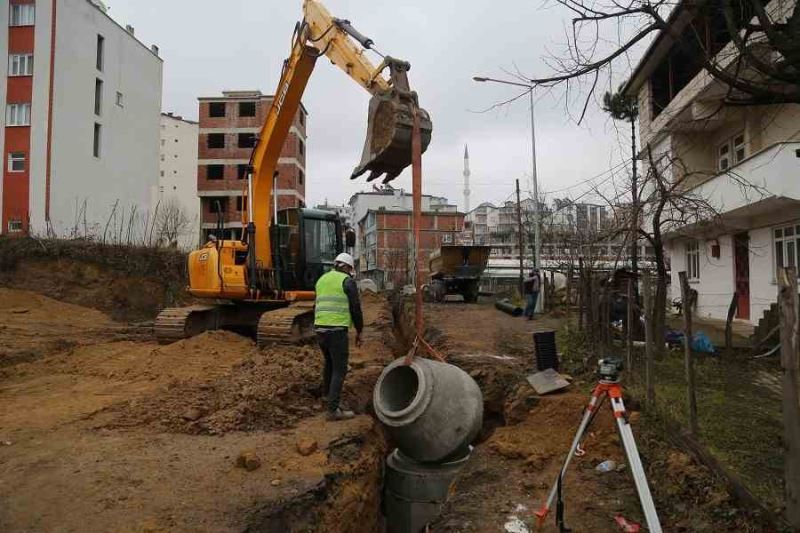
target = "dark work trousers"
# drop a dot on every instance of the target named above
(335, 346)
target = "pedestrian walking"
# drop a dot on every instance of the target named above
(531, 287)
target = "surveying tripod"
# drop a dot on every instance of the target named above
(608, 385)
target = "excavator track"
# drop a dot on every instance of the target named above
(290, 325)
(176, 323)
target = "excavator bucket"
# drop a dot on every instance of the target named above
(387, 149)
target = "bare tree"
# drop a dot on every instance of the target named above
(752, 46)
(171, 222)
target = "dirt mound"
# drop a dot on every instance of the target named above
(124, 297)
(32, 325)
(270, 389)
(128, 283)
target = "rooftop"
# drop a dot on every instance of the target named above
(129, 30)
(172, 115)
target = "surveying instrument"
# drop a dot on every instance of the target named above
(608, 372)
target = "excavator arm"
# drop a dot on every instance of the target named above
(387, 149)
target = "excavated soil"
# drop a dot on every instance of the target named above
(102, 429)
(105, 430)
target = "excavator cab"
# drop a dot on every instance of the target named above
(307, 241)
(390, 124)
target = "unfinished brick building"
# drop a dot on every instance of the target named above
(229, 125)
(387, 251)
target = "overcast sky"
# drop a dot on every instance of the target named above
(209, 46)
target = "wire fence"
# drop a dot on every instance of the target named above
(723, 406)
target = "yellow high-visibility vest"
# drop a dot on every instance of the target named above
(332, 306)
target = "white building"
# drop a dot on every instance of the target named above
(80, 132)
(744, 161)
(175, 202)
(390, 199)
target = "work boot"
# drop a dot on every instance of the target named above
(340, 414)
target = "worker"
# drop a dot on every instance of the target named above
(337, 308)
(531, 287)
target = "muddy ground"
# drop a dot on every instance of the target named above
(102, 429)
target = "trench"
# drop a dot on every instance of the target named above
(357, 488)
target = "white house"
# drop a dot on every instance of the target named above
(744, 161)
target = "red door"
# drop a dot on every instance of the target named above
(741, 274)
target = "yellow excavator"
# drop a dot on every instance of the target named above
(264, 283)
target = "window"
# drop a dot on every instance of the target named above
(22, 15)
(215, 172)
(321, 240)
(247, 109)
(240, 203)
(216, 140)
(241, 171)
(101, 44)
(738, 148)
(300, 177)
(693, 260)
(731, 152)
(302, 117)
(163, 141)
(216, 109)
(16, 162)
(98, 96)
(787, 246)
(14, 226)
(98, 130)
(18, 115)
(301, 147)
(247, 140)
(162, 174)
(120, 99)
(20, 65)
(724, 157)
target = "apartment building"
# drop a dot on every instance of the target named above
(176, 206)
(387, 245)
(82, 99)
(229, 125)
(568, 230)
(742, 160)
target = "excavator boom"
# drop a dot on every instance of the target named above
(268, 292)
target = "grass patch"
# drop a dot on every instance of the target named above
(739, 414)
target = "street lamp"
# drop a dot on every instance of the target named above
(536, 220)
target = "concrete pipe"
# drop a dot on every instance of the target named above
(431, 410)
(414, 492)
(508, 308)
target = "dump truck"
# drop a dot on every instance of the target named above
(457, 270)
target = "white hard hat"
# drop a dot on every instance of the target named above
(345, 258)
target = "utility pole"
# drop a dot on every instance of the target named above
(521, 249)
(537, 257)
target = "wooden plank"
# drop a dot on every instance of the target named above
(629, 328)
(647, 289)
(691, 393)
(790, 397)
(729, 323)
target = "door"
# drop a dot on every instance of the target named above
(741, 273)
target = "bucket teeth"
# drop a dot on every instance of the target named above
(387, 148)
